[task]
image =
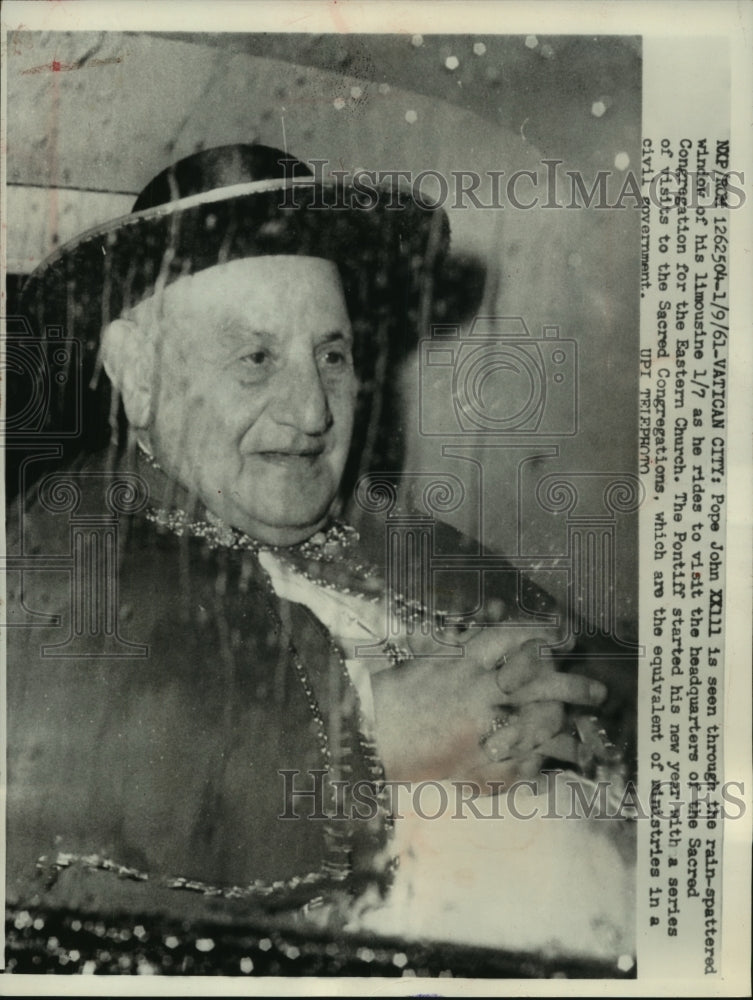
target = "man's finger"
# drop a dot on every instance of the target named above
(562, 747)
(491, 645)
(574, 689)
(539, 722)
(503, 744)
(522, 666)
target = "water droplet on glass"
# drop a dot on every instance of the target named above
(531, 41)
(622, 161)
(411, 117)
(479, 48)
(247, 965)
(452, 62)
(417, 41)
(355, 92)
(547, 51)
(338, 103)
(204, 944)
(598, 108)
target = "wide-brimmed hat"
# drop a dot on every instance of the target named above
(217, 205)
(225, 203)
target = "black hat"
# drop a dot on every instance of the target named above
(224, 203)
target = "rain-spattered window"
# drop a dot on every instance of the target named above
(318, 362)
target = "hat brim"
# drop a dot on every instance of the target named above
(92, 279)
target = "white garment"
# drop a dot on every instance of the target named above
(352, 621)
(559, 887)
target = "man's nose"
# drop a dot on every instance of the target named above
(303, 401)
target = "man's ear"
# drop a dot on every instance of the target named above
(127, 354)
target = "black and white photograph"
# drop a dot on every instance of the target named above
(366, 399)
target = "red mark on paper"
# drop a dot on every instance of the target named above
(60, 67)
(337, 17)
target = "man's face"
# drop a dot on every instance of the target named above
(255, 392)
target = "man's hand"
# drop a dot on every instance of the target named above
(492, 714)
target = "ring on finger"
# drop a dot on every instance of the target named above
(500, 721)
(499, 674)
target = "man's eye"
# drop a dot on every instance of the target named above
(335, 358)
(255, 359)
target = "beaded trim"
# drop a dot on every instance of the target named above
(96, 862)
(327, 547)
(323, 546)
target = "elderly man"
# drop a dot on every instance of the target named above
(228, 347)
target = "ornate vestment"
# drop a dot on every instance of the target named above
(165, 742)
